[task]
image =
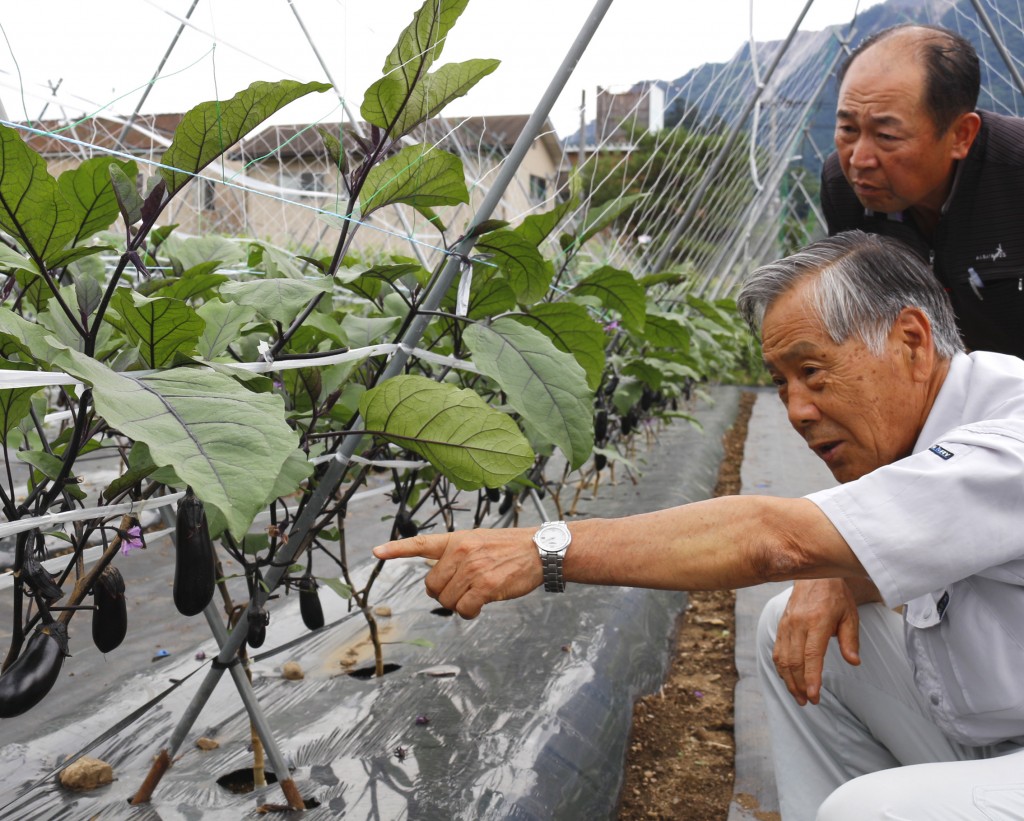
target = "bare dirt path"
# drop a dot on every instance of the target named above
(681, 752)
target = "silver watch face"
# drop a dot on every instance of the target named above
(552, 538)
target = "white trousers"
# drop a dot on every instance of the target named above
(868, 750)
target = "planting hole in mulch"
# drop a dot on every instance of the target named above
(369, 672)
(241, 781)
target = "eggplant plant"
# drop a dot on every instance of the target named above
(230, 373)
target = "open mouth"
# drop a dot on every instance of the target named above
(825, 450)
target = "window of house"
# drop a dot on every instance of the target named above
(538, 189)
(208, 194)
(311, 181)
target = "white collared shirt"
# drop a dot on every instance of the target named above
(942, 531)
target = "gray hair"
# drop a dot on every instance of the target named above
(862, 282)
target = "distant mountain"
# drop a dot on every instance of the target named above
(698, 94)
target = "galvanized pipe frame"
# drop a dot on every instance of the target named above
(300, 534)
(709, 176)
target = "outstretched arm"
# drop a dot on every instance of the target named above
(732, 541)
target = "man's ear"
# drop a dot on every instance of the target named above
(964, 129)
(913, 332)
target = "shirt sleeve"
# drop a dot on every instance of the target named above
(945, 513)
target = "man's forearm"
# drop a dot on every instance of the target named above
(733, 541)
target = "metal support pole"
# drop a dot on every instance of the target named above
(711, 175)
(328, 485)
(725, 271)
(987, 23)
(156, 74)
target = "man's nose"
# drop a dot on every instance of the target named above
(800, 409)
(863, 154)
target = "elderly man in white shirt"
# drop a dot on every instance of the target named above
(928, 443)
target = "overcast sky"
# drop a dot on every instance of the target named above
(104, 52)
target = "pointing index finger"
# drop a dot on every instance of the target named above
(428, 546)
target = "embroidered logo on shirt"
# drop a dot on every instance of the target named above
(999, 253)
(940, 451)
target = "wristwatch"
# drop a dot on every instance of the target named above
(552, 540)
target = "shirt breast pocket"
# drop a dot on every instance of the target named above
(981, 634)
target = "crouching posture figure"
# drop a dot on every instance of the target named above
(928, 445)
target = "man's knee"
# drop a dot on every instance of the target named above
(861, 799)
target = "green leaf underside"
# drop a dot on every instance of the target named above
(547, 386)
(471, 443)
(618, 291)
(224, 321)
(420, 176)
(574, 331)
(30, 338)
(209, 129)
(398, 109)
(418, 46)
(228, 443)
(276, 299)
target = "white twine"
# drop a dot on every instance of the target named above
(83, 513)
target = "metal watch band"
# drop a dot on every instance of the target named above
(553, 581)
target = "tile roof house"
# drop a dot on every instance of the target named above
(273, 184)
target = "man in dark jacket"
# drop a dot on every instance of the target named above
(915, 161)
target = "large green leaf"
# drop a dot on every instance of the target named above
(489, 293)
(223, 320)
(32, 208)
(422, 41)
(361, 331)
(574, 331)
(398, 109)
(420, 175)
(160, 327)
(228, 443)
(520, 262)
(28, 338)
(90, 193)
(190, 252)
(11, 259)
(545, 385)
(664, 330)
(276, 299)
(619, 291)
(209, 129)
(536, 227)
(405, 68)
(471, 443)
(602, 217)
(722, 312)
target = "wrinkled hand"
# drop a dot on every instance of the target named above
(817, 610)
(474, 567)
